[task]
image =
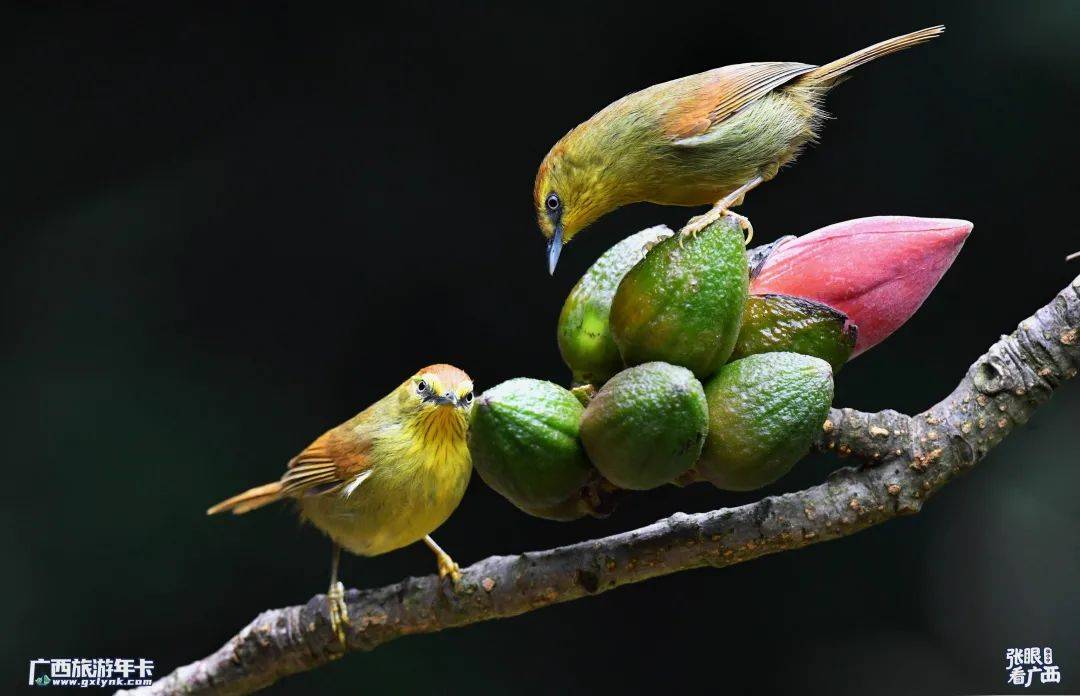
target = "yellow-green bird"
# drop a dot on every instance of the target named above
(703, 139)
(385, 478)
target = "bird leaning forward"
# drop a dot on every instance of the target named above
(703, 139)
(383, 479)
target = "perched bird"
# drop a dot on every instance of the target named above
(704, 139)
(385, 478)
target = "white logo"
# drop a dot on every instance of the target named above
(1023, 664)
(83, 672)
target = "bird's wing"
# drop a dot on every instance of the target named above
(337, 460)
(722, 92)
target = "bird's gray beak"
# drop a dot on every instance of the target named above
(554, 248)
(446, 399)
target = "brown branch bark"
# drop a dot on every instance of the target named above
(906, 459)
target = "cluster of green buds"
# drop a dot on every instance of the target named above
(693, 359)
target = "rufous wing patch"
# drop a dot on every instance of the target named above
(326, 464)
(722, 92)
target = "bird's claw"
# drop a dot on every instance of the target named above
(745, 226)
(700, 222)
(697, 224)
(339, 611)
(447, 568)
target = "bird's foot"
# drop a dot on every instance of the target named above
(700, 222)
(447, 568)
(745, 226)
(339, 611)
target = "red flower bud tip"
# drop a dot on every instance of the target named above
(877, 270)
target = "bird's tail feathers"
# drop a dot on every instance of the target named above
(828, 74)
(250, 500)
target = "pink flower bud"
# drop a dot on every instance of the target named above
(877, 270)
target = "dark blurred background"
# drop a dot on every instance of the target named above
(228, 230)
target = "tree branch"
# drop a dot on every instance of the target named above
(906, 460)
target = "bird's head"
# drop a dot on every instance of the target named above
(440, 391)
(569, 194)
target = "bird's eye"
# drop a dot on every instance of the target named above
(421, 387)
(468, 398)
(553, 202)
